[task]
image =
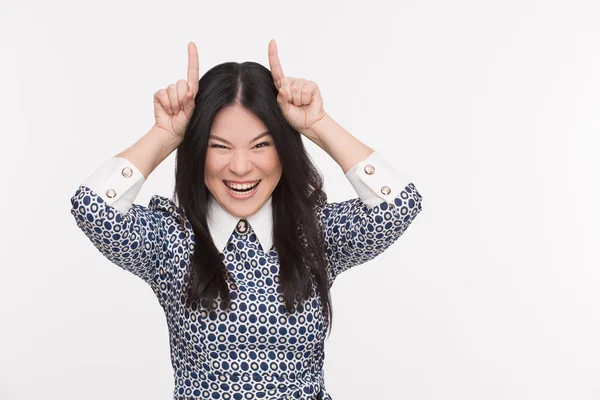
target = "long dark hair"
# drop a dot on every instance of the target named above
(297, 237)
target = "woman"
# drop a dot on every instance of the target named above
(249, 311)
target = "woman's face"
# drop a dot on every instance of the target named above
(240, 155)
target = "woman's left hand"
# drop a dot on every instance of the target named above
(300, 99)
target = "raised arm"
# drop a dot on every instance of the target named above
(130, 235)
(359, 229)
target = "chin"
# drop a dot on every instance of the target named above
(243, 208)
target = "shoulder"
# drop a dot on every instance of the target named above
(172, 212)
(320, 206)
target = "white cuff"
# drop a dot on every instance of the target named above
(118, 182)
(376, 180)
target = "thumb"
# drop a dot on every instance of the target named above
(282, 97)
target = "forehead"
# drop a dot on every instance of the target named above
(237, 124)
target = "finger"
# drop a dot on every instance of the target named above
(307, 91)
(282, 98)
(284, 101)
(193, 74)
(182, 90)
(274, 63)
(163, 98)
(296, 95)
(286, 87)
(172, 92)
(189, 103)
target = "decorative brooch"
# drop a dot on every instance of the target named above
(242, 226)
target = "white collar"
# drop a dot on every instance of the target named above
(221, 224)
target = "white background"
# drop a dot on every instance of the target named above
(490, 107)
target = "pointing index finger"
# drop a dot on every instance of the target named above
(193, 73)
(274, 63)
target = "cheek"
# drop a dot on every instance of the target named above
(212, 165)
(208, 162)
(271, 163)
(211, 171)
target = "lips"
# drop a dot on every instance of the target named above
(251, 185)
(241, 182)
(242, 194)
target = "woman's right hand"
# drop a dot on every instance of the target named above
(174, 105)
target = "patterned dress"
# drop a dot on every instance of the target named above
(254, 350)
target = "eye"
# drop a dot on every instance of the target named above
(264, 143)
(218, 146)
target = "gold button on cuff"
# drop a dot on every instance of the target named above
(111, 193)
(386, 190)
(127, 172)
(369, 169)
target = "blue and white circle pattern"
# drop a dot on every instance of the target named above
(254, 350)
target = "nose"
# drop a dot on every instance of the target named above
(240, 164)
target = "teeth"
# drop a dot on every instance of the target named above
(242, 186)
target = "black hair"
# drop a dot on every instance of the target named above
(297, 236)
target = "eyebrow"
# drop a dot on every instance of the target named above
(229, 143)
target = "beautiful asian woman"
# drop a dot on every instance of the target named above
(243, 257)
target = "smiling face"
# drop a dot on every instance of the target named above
(239, 155)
